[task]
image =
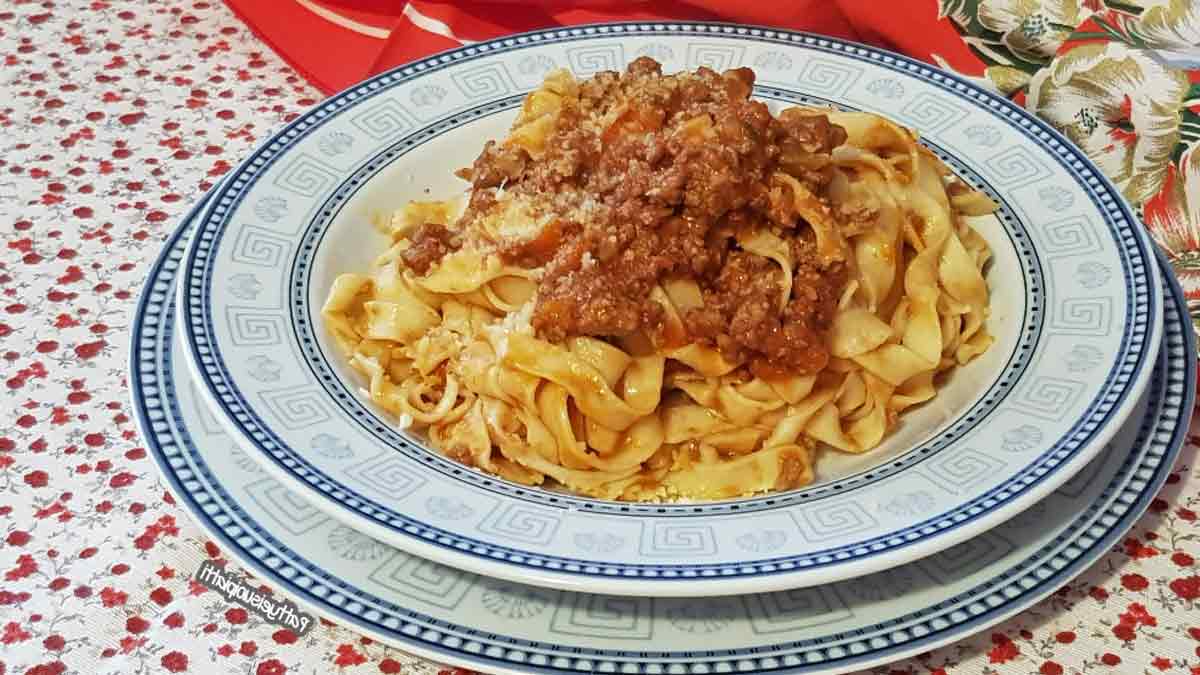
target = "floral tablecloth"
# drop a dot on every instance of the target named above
(115, 116)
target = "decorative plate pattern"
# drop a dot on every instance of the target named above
(1076, 339)
(500, 626)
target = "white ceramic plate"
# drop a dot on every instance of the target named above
(1076, 314)
(495, 626)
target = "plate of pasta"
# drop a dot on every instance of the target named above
(668, 308)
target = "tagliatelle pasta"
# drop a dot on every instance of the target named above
(657, 290)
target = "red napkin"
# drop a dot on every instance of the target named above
(335, 43)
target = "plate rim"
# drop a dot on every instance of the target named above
(694, 584)
(889, 654)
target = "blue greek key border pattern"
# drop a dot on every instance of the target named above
(1132, 247)
(1172, 394)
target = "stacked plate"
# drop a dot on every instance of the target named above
(1028, 465)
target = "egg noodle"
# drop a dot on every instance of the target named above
(500, 329)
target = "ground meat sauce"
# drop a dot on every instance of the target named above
(668, 183)
(428, 245)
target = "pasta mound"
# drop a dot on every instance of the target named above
(657, 290)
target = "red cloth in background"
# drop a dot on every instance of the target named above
(335, 43)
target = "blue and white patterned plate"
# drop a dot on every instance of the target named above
(495, 626)
(1075, 309)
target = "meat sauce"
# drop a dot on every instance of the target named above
(672, 179)
(429, 243)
